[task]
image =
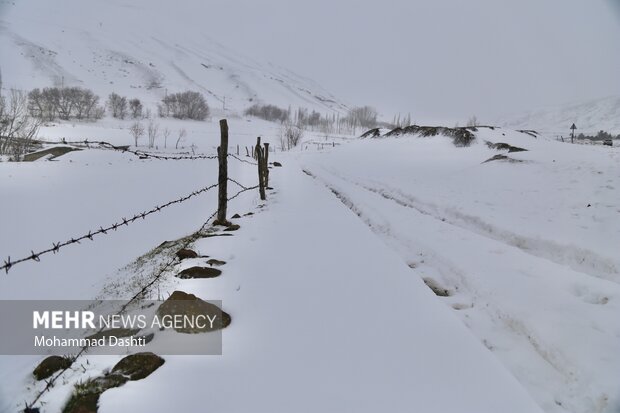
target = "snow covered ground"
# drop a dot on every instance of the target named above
(332, 319)
(527, 251)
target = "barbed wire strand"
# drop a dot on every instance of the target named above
(237, 183)
(50, 383)
(138, 153)
(35, 256)
(143, 154)
(242, 160)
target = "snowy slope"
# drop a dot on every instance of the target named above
(139, 48)
(589, 117)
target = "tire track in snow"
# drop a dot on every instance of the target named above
(567, 388)
(579, 259)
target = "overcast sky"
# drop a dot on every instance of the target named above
(439, 59)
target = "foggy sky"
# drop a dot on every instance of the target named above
(440, 59)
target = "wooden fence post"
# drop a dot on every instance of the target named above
(266, 165)
(261, 176)
(256, 148)
(222, 155)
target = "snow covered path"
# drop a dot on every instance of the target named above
(325, 318)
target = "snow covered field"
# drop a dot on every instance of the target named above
(337, 316)
(527, 251)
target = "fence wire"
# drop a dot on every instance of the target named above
(35, 256)
(138, 153)
(242, 160)
(50, 383)
(146, 155)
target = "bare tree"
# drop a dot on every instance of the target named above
(473, 121)
(290, 136)
(152, 131)
(137, 131)
(135, 107)
(17, 127)
(182, 134)
(117, 105)
(87, 105)
(166, 133)
(67, 102)
(42, 103)
(364, 116)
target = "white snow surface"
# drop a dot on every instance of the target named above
(326, 315)
(322, 323)
(527, 250)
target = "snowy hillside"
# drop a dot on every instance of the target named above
(589, 117)
(142, 49)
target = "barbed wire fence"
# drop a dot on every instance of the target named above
(56, 246)
(223, 178)
(220, 213)
(222, 203)
(138, 295)
(141, 154)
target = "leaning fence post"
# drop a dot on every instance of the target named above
(222, 155)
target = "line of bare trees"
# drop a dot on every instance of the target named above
(120, 107)
(68, 103)
(153, 131)
(268, 112)
(302, 118)
(65, 103)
